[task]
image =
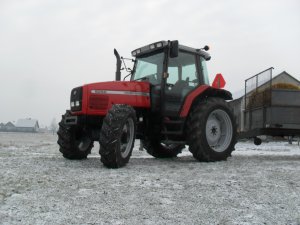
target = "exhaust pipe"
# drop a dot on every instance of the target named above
(118, 69)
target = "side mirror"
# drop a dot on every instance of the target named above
(219, 81)
(174, 46)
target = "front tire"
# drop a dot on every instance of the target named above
(74, 142)
(117, 136)
(211, 130)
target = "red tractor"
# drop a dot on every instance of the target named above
(167, 104)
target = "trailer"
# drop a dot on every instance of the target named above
(269, 107)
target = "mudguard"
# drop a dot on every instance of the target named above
(203, 91)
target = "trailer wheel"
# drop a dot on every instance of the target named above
(117, 136)
(74, 142)
(159, 150)
(211, 130)
(257, 141)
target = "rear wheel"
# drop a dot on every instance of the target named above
(74, 142)
(117, 136)
(211, 130)
(160, 150)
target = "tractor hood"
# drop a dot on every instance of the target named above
(98, 98)
(119, 87)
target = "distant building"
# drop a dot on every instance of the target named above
(22, 125)
(27, 125)
(7, 127)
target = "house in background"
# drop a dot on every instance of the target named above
(9, 126)
(27, 125)
(22, 125)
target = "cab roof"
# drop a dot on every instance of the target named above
(163, 44)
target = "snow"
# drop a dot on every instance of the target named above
(257, 185)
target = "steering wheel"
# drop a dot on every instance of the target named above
(169, 85)
(148, 77)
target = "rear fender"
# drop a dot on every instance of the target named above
(201, 93)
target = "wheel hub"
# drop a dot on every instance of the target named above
(219, 130)
(84, 143)
(127, 137)
(213, 130)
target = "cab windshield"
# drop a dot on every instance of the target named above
(149, 68)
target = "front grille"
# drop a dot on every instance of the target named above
(76, 97)
(98, 102)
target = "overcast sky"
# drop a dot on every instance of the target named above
(47, 47)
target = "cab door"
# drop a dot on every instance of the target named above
(183, 78)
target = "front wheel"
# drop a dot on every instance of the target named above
(73, 141)
(211, 130)
(117, 136)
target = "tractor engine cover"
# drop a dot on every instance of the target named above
(98, 98)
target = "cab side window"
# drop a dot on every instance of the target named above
(182, 69)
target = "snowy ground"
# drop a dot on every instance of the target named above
(258, 185)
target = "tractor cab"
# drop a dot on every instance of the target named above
(173, 71)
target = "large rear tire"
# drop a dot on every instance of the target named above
(73, 141)
(117, 136)
(158, 149)
(211, 130)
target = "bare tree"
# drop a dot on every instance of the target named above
(53, 126)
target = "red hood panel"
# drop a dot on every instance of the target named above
(133, 86)
(98, 98)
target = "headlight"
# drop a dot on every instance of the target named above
(76, 98)
(159, 45)
(149, 48)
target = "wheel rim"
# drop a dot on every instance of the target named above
(219, 130)
(127, 137)
(84, 143)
